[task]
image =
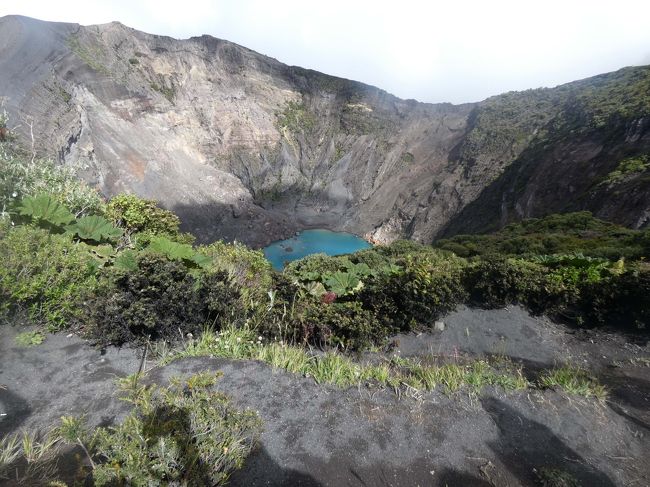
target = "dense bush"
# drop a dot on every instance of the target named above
(48, 275)
(145, 218)
(419, 292)
(345, 325)
(248, 268)
(621, 300)
(494, 283)
(312, 266)
(158, 299)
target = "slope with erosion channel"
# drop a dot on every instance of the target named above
(236, 142)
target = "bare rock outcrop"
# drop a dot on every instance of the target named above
(244, 147)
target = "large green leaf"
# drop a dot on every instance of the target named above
(203, 261)
(95, 228)
(126, 260)
(342, 283)
(45, 208)
(315, 289)
(103, 251)
(172, 250)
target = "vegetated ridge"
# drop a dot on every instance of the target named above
(243, 147)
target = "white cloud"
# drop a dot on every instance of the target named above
(433, 51)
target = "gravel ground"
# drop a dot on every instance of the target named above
(318, 435)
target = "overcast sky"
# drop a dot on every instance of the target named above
(452, 50)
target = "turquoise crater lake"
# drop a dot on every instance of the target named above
(312, 242)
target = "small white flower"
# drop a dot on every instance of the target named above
(14, 194)
(259, 339)
(238, 339)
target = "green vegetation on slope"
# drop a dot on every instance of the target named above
(182, 434)
(504, 124)
(555, 234)
(628, 167)
(126, 274)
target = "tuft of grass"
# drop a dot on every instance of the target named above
(573, 380)
(30, 338)
(341, 371)
(29, 458)
(474, 375)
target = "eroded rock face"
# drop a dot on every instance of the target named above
(244, 147)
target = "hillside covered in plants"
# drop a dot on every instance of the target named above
(120, 272)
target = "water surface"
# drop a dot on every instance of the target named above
(312, 242)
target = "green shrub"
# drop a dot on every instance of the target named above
(222, 298)
(154, 300)
(183, 434)
(143, 216)
(371, 258)
(620, 301)
(345, 325)
(566, 233)
(296, 117)
(555, 477)
(49, 275)
(425, 288)
(160, 299)
(313, 266)
(248, 268)
(22, 176)
(497, 282)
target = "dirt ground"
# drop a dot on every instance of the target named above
(319, 435)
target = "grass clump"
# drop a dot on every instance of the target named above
(30, 458)
(342, 371)
(573, 380)
(474, 375)
(30, 338)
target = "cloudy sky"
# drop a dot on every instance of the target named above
(452, 50)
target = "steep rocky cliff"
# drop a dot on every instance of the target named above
(244, 147)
